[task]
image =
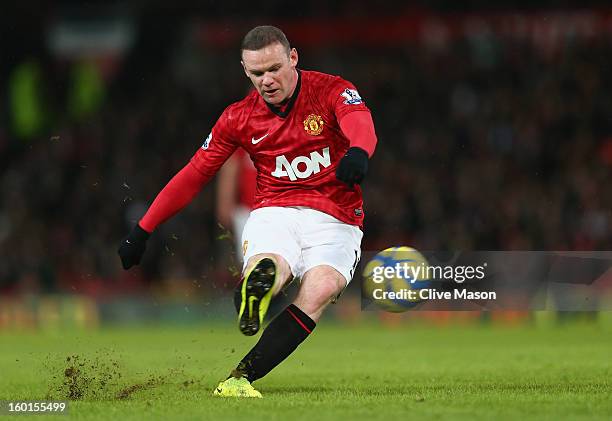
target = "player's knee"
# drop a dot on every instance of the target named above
(253, 260)
(322, 285)
(281, 264)
(330, 288)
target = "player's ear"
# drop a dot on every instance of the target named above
(244, 68)
(293, 57)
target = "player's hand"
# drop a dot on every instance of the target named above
(353, 166)
(133, 247)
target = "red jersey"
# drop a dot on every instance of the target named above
(295, 151)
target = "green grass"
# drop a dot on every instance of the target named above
(364, 372)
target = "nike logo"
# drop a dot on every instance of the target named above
(256, 141)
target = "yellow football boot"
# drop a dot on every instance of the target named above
(236, 388)
(255, 295)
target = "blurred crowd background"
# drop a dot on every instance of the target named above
(494, 127)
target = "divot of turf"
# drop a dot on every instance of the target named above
(83, 377)
(78, 377)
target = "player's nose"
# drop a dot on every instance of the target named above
(267, 80)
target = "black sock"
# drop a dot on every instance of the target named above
(278, 341)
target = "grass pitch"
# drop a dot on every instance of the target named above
(353, 372)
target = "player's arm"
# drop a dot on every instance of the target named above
(178, 193)
(357, 126)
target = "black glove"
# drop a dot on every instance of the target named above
(353, 166)
(133, 247)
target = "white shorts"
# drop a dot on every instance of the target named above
(304, 237)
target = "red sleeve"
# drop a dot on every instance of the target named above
(218, 146)
(352, 114)
(358, 128)
(344, 98)
(177, 194)
(180, 191)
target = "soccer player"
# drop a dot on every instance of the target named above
(310, 136)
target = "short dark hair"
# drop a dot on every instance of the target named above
(262, 36)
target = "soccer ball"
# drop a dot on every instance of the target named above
(393, 278)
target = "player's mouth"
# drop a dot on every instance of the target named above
(271, 92)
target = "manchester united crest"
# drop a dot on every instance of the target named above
(314, 124)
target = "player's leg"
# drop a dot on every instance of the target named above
(329, 257)
(329, 262)
(271, 254)
(321, 285)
